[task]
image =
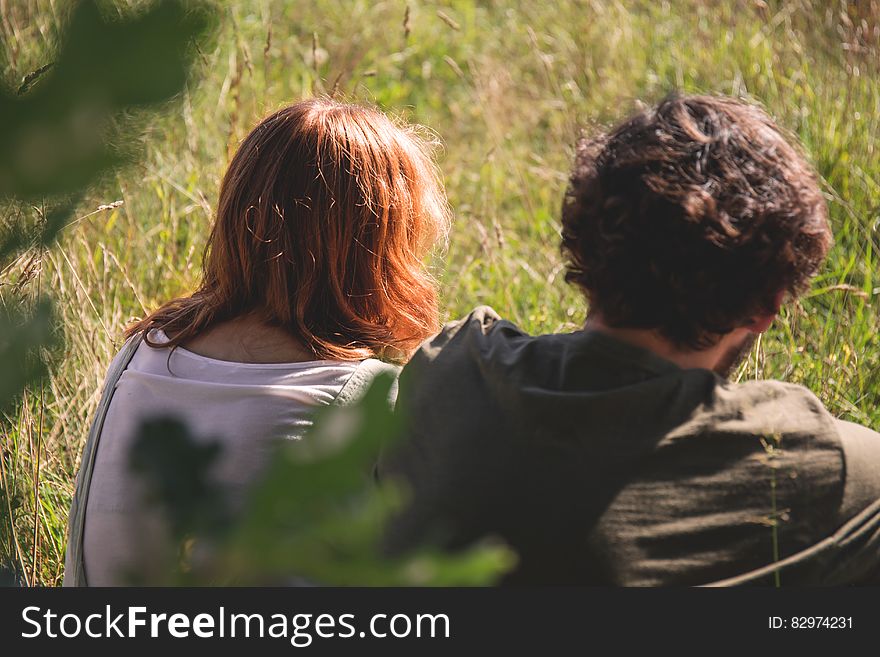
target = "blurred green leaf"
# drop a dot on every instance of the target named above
(177, 470)
(22, 335)
(58, 135)
(8, 576)
(55, 138)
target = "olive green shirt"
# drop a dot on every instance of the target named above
(601, 463)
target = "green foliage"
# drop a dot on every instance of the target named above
(316, 515)
(21, 338)
(177, 469)
(54, 139)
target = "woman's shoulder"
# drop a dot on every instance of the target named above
(363, 376)
(124, 356)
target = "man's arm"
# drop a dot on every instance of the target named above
(861, 450)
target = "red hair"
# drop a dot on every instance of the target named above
(325, 217)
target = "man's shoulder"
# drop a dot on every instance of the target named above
(742, 429)
(479, 323)
(463, 344)
(861, 450)
(771, 407)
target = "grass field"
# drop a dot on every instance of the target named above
(507, 86)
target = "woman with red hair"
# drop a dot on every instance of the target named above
(314, 281)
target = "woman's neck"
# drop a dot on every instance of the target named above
(248, 339)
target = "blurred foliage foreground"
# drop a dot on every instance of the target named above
(317, 515)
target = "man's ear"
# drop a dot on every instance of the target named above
(760, 323)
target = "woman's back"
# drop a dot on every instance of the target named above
(244, 407)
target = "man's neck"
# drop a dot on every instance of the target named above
(646, 339)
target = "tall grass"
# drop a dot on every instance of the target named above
(508, 86)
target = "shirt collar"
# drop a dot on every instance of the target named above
(638, 356)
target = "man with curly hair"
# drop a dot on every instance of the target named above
(621, 454)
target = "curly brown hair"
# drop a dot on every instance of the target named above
(690, 217)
